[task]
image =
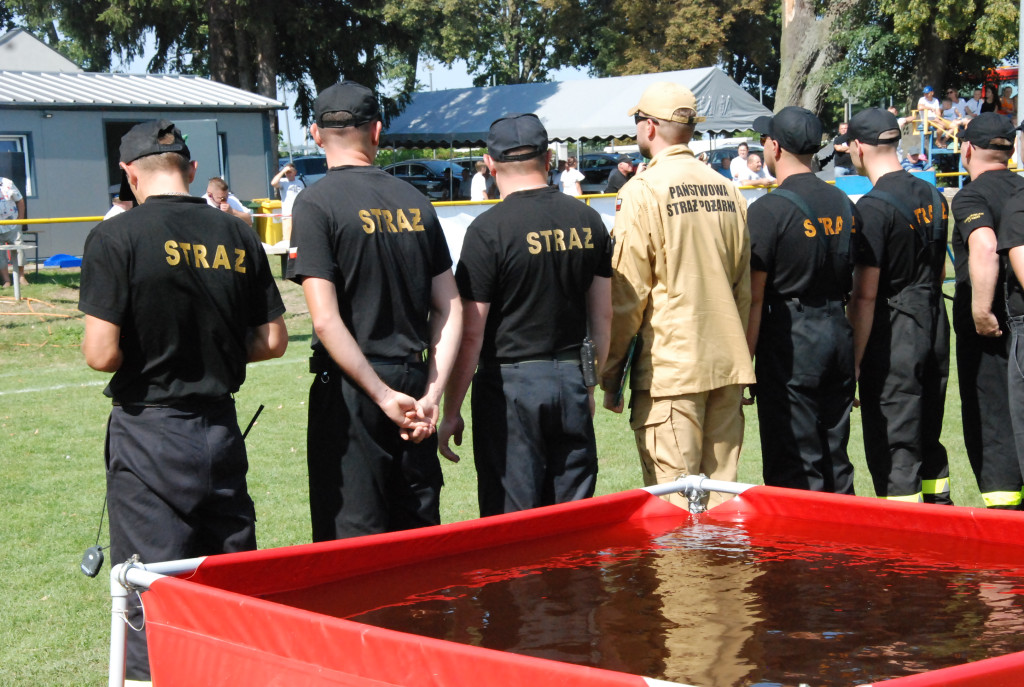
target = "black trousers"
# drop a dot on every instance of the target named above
(533, 436)
(902, 397)
(981, 363)
(363, 478)
(1015, 384)
(175, 489)
(805, 385)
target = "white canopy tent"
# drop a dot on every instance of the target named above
(570, 110)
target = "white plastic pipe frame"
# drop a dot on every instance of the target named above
(126, 578)
(696, 487)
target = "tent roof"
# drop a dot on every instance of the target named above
(570, 110)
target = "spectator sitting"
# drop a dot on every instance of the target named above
(974, 104)
(928, 103)
(916, 162)
(957, 104)
(219, 196)
(990, 104)
(902, 121)
(1007, 104)
(725, 167)
(754, 174)
(931, 113)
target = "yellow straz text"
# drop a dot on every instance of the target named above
(555, 240)
(376, 219)
(831, 225)
(197, 255)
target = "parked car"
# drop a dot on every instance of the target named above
(468, 163)
(436, 179)
(309, 168)
(596, 168)
(724, 155)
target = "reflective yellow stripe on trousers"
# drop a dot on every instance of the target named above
(1002, 498)
(935, 486)
(913, 498)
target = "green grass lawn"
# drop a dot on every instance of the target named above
(52, 417)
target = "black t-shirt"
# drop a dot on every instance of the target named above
(1011, 235)
(893, 245)
(378, 239)
(616, 180)
(788, 245)
(842, 159)
(979, 204)
(184, 281)
(533, 257)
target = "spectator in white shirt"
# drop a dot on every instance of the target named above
(974, 104)
(478, 188)
(739, 163)
(570, 180)
(289, 186)
(754, 174)
(219, 196)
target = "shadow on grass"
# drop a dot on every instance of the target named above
(68, 279)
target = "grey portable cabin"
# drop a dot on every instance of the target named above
(60, 132)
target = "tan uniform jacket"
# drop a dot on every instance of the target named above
(681, 279)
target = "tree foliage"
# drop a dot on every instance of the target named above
(816, 52)
(875, 50)
(308, 44)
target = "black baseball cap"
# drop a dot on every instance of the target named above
(874, 126)
(516, 131)
(346, 96)
(625, 158)
(985, 128)
(145, 139)
(795, 129)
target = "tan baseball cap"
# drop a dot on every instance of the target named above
(663, 98)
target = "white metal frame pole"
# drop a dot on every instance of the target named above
(700, 483)
(125, 578)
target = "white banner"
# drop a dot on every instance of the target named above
(456, 217)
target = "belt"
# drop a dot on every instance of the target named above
(561, 357)
(1016, 323)
(807, 301)
(319, 364)
(192, 405)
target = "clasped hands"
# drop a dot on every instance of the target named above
(416, 419)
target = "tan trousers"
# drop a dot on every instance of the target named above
(691, 434)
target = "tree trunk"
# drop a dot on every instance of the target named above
(932, 58)
(223, 60)
(244, 77)
(265, 56)
(808, 48)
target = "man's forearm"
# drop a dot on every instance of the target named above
(446, 335)
(474, 323)
(983, 267)
(242, 215)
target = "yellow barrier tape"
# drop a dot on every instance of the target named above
(52, 220)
